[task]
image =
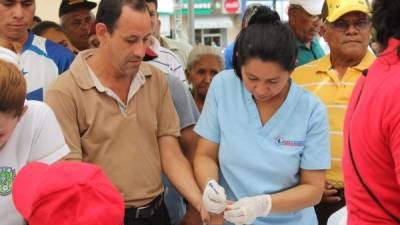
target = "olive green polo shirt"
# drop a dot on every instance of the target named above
(121, 138)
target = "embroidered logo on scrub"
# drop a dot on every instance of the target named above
(290, 143)
(7, 175)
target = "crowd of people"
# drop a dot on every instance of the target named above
(103, 121)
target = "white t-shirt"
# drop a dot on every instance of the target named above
(37, 137)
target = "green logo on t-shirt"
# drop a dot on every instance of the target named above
(7, 175)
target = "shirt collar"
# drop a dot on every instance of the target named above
(136, 83)
(302, 44)
(366, 61)
(80, 70)
(325, 64)
(28, 42)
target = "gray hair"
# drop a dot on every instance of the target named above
(200, 50)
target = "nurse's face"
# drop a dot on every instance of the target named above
(8, 122)
(265, 80)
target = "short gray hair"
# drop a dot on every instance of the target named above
(200, 50)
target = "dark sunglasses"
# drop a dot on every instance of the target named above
(343, 25)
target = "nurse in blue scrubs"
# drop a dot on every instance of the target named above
(264, 142)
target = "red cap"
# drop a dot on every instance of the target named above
(149, 54)
(67, 193)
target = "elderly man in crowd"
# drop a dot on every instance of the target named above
(76, 19)
(333, 77)
(117, 112)
(305, 21)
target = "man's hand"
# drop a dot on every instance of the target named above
(192, 217)
(211, 218)
(214, 197)
(216, 219)
(330, 194)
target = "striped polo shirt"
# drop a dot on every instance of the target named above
(321, 79)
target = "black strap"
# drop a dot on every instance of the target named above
(145, 211)
(376, 200)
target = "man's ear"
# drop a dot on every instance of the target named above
(323, 32)
(290, 11)
(102, 33)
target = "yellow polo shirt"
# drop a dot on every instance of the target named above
(321, 79)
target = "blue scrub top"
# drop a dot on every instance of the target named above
(260, 159)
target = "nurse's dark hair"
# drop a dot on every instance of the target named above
(266, 38)
(386, 21)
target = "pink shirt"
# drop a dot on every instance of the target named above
(375, 141)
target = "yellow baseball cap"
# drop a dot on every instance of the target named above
(337, 8)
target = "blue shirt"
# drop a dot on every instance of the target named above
(228, 56)
(260, 159)
(41, 62)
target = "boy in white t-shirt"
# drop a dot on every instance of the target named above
(29, 132)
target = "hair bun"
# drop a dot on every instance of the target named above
(264, 15)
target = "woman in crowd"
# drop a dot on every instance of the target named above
(262, 137)
(29, 131)
(371, 162)
(203, 64)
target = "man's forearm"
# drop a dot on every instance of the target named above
(179, 171)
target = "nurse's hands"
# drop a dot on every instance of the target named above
(246, 210)
(214, 197)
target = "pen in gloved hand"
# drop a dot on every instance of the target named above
(213, 188)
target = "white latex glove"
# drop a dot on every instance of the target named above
(214, 197)
(246, 210)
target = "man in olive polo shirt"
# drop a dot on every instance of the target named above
(117, 112)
